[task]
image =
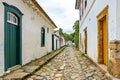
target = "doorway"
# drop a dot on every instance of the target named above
(103, 36)
(52, 41)
(85, 40)
(12, 36)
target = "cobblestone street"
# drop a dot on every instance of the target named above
(69, 65)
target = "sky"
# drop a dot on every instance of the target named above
(62, 12)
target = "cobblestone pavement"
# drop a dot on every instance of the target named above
(69, 65)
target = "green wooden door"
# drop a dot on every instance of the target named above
(52, 42)
(12, 36)
(42, 37)
(56, 44)
(12, 45)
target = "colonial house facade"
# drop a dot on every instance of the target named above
(25, 32)
(62, 41)
(59, 40)
(56, 42)
(99, 35)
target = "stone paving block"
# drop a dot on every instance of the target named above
(14, 68)
(59, 78)
(30, 69)
(58, 75)
(1, 79)
(39, 78)
(16, 76)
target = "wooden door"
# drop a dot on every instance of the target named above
(103, 36)
(52, 42)
(85, 41)
(12, 36)
(12, 40)
(56, 44)
(105, 41)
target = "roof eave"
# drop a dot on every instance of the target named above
(41, 9)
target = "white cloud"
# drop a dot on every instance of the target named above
(62, 12)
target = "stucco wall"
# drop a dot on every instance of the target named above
(1, 37)
(118, 19)
(63, 41)
(31, 33)
(91, 24)
(58, 43)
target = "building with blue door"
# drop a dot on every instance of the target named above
(26, 32)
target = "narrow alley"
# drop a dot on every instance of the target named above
(68, 65)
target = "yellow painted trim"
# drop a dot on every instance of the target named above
(87, 12)
(102, 17)
(103, 13)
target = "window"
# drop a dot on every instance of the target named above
(47, 30)
(12, 19)
(85, 4)
(42, 37)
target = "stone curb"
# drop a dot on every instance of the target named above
(29, 69)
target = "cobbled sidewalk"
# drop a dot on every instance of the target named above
(20, 73)
(69, 65)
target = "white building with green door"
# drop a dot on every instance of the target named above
(25, 32)
(59, 40)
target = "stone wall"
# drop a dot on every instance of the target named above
(114, 60)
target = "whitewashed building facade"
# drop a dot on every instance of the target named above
(25, 32)
(63, 42)
(59, 40)
(99, 32)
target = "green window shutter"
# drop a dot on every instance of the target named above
(42, 37)
(52, 42)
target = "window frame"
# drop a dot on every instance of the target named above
(47, 30)
(85, 4)
(42, 37)
(12, 18)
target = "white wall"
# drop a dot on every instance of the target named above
(91, 24)
(31, 33)
(49, 39)
(118, 19)
(63, 41)
(58, 43)
(1, 37)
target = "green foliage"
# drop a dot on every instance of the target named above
(76, 33)
(74, 37)
(67, 37)
(60, 31)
